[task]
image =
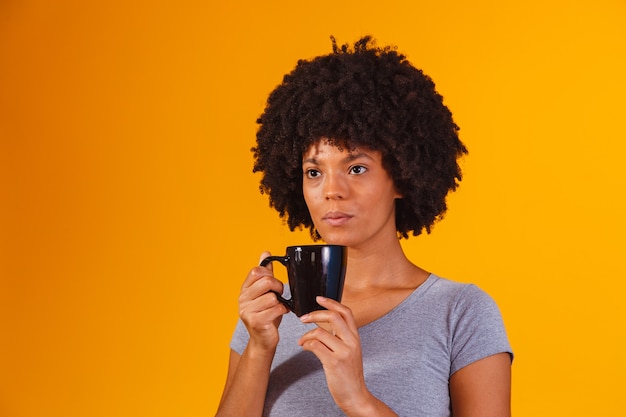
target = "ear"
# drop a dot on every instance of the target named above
(398, 195)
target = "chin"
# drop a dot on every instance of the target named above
(337, 239)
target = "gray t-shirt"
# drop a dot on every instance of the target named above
(409, 354)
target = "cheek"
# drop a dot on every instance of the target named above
(306, 195)
(311, 192)
(309, 199)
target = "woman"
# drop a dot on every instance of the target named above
(358, 147)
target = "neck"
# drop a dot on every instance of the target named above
(382, 267)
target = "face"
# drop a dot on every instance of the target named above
(349, 194)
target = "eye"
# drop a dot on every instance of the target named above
(358, 169)
(312, 173)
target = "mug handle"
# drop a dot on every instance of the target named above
(283, 260)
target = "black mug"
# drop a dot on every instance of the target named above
(312, 270)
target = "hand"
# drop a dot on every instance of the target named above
(259, 308)
(337, 345)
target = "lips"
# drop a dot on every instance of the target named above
(336, 218)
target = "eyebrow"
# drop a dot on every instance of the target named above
(351, 157)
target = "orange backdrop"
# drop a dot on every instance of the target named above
(129, 214)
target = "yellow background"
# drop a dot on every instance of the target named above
(130, 216)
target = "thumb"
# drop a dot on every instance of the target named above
(264, 255)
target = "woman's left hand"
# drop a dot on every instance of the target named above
(337, 344)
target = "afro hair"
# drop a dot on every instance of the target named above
(361, 96)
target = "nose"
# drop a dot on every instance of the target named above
(335, 187)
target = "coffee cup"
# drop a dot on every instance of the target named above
(312, 270)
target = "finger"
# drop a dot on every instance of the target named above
(263, 302)
(258, 284)
(263, 309)
(344, 310)
(333, 306)
(333, 323)
(264, 255)
(258, 271)
(328, 349)
(320, 340)
(319, 349)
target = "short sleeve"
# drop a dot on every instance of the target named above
(240, 338)
(477, 329)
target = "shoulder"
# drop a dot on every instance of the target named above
(459, 295)
(441, 293)
(474, 322)
(460, 299)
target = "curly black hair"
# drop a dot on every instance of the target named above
(361, 96)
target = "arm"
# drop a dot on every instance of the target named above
(248, 374)
(482, 388)
(246, 384)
